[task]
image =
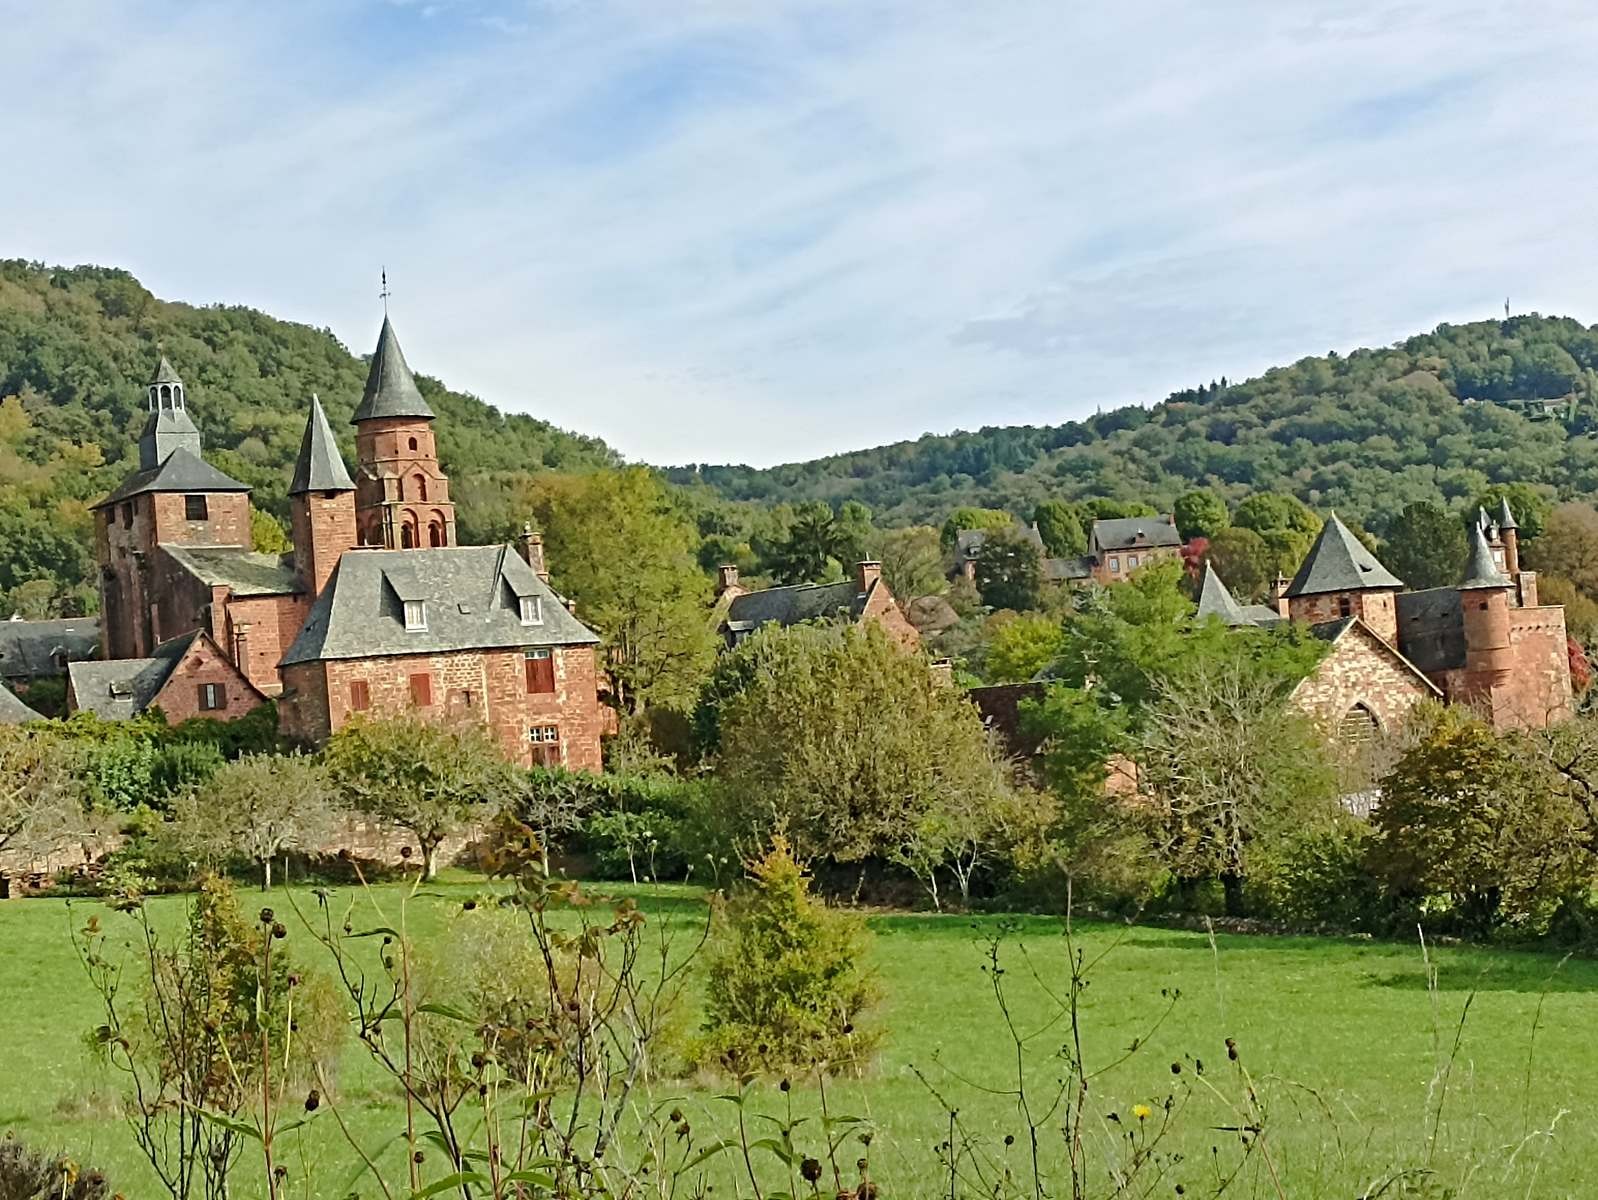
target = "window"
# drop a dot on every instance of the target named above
(435, 534)
(1131, 562)
(1115, 563)
(422, 691)
(532, 610)
(1358, 726)
(416, 615)
(195, 508)
(127, 515)
(540, 671)
(413, 443)
(419, 483)
(546, 744)
(407, 537)
(460, 698)
(1345, 606)
(212, 697)
(360, 695)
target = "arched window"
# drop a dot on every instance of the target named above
(1358, 727)
(407, 538)
(420, 482)
(177, 395)
(435, 534)
(413, 443)
(166, 393)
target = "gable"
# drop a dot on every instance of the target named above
(1361, 669)
(202, 661)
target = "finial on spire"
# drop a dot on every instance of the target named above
(384, 294)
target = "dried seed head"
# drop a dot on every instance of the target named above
(1231, 1049)
(279, 932)
(267, 916)
(810, 1170)
(313, 1099)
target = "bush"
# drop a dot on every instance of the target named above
(1324, 878)
(26, 1174)
(787, 985)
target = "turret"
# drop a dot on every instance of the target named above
(1339, 578)
(1484, 604)
(1510, 533)
(321, 503)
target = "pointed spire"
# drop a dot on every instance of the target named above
(1338, 562)
(390, 387)
(1506, 519)
(1481, 518)
(320, 467)
(1481, 571)
(164, 373)
(1216, 601)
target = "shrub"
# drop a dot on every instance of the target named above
(787, 984)
(26, 1174)
(1324, 877)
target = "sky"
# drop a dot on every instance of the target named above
(766, 230)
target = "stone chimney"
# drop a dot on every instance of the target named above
(727, 578)
(865, 574)
(1279, 594)
(530, 545)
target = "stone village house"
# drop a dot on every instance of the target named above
(738, 611)
(1117, 546)
(377, 610)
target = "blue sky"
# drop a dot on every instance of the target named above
(766, 230)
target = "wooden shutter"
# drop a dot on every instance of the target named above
(422, 690)
(360, 695)
(541, 672)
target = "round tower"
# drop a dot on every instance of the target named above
(1484, 609)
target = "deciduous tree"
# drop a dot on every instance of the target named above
(259, 807)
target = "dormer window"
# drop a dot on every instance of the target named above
(532, 609)
(416, 615)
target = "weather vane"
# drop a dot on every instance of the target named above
(384, 294)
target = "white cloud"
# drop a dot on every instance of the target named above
(715, 230)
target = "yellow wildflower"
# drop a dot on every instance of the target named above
(1142, 1112)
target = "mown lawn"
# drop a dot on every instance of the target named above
(1342, 1037)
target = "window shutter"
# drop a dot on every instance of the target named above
(204, 691)
(422, 690)
(541, 672)
(360, 695)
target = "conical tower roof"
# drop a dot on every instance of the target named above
(1506, 519)
(1481, 571)
(1337, 562)
(320, 467)
(164, 373)
(1216, 601)
(390, 387)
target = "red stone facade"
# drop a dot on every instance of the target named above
(323, 527)
(401, 494)
(1362, 671)
(559, 727)
(1377, 609)
(1113, 566)
(138, 610)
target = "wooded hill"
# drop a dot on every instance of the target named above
(1436, 417)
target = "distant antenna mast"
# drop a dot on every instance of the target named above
(385, 293)
(1506, 308)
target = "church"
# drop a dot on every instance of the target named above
(1485, 641)
(377, 611)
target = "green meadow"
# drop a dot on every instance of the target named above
(1371, 1079)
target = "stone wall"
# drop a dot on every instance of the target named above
(1537, 692)
(204, 663)
(274, 623)
(1378, 609)
(1359, 669)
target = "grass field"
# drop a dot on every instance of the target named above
(1343, 1037)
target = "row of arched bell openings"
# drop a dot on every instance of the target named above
(166, 395)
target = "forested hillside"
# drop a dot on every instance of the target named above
(1437, 417)
(78, 345)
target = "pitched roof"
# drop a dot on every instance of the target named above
(1337, 562)
(1481, 572)
(795, 603)
(245, 571)
(14, 711)
(1060, 570)
(1130, 533)
(320, 467)
(183, 471)
(120, 688)
(29, 649)
(164, 373)
(1215, 600)
(471, 594)
(390, 387)
(968, 542)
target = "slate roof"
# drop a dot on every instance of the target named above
(1337, 562)
(14, 711)
(1431, 628)
(1061, 570)
(245, 571)
(1481, 572)
(390, 387)
(1215, 600)
(471, 595)
(183, 471)
(123, 687)
(320, 467)
(28, 649)
(1129, 533)
(164, 373)
(796, 603)
(1506, 519)
(968, 542)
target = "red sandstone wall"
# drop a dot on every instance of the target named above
(1537, 691)
(1122, 569)
(227, 522)
(204, 663)
(323, 528)
(1379, 610)
(882, 609)
(274, 623)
